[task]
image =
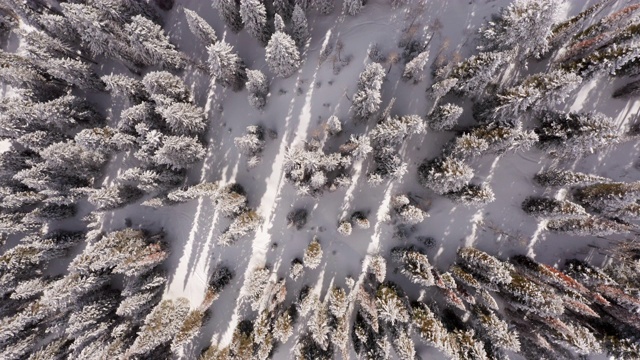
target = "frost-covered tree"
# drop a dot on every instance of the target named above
(523, 24)
(444, 175)
(345, 228)
(353, 7)
(160, 326)
(113, 197)
(126, 87)
(405, 211)
(150, 45)
(552, 208)
(164, 88)
(254, 17)
(414, 265)
(179, 152)
(575, 134)
(244, 224)
(484, 265)
(391, 306)
(129, 252)
(252, 143)
(200, 28)
(366, 100)
(473, 195)
(74, 72)
(230, 12)
(183, 118)
(296, 270)
(282, 56)
(284, 8)
(393, 130)
(444, 117)
(226, 66)
(414, 69)
(325, 7)
(333, 126)
(608, 197)
(258, 88)
(313, 254)
(566, 178)
(299, 26)
(473, 75)
(535, 91)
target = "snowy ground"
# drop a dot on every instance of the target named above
(500, 228)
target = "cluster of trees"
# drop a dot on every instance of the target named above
(593, 206)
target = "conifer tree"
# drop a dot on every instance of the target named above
(566, 178)
(160, 326)
(473, 195)
(126, 87)
(485, 265)
(313, 254)
(325, 7)
(200, 28)
(552, 208)
(258, 88)
(444, 175)
(113, 197)
(284, 8)
(183, 118)
(179, 152)
(353, 7)
(414, 265)
(523, 24)
(588, 226)
(230, 12)
(414, 69)
(282, 56)
(444, 117)
(575, 134)
(164, 88)
(254, 17)
(366, 100)
(226, 66)
(150, 45)
(299, 26)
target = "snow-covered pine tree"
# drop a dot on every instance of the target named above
(552, 208)
(523, 24)
(566, 178)
(353, 7)
(444, 117)
(230, 12)
(179, 152)
(299, 26)
(313, 254)
(366, 100)
(183, 118)
(473, 195)
(325, 7)
(576, 134)
(284, 8)
(535, 91)
(608, 196)
(226, 66)
(473, 75)
(444, 175)
(160, 326)
(200, 28)
(333, 126)
(113, 197)
(164, 88)
(254, 17)
(258, 88)
(126, 87)
(588, 226)
(484, 265)
(150, 45)
(245, 223)
(415, 68)
(406, 212)
(282, 55)
(391, 305)
(414, 265)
